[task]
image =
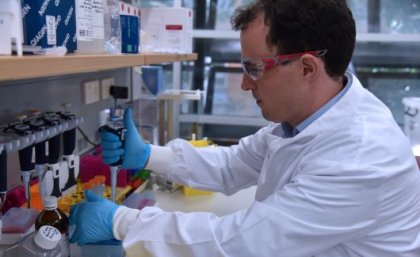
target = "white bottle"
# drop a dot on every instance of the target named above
(43, 243)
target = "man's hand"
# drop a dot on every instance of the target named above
(93, 219)
(136, 152)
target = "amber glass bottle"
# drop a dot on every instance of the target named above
(53, 216)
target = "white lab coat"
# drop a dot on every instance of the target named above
(345, 186)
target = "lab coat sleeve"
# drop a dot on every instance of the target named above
(313, 213)
(218, 169)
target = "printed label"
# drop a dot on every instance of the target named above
(98, 31)
(25, 10)
(51, 30)
(50, 232)
(84, 20)
(173, 27)
(43, 7)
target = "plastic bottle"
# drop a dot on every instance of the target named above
(112, 26)
(44, 242)
(53, 216)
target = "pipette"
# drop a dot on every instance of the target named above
(25, 155)
(116, 128)
(53, 163)
(69, 144)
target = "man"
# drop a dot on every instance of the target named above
(335, 175)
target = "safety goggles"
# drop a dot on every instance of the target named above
(255, 67)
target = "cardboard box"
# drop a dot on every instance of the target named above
(167, 30)
(49, 23)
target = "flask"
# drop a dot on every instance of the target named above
(53, 216)
(43, 242)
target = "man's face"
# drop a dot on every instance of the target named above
(277, 91)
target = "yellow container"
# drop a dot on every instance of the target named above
(191, 191)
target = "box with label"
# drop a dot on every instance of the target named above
(152, 77)
(48, 23)
(129, 19)
(167, 30)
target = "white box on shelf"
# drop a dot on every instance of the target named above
(10, 26)
(5, 32)
(166, 30)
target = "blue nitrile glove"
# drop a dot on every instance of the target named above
(93, 219)
(136, 152)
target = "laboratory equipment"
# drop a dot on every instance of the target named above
(115, 127)
(167, 100)
(57, 171)
(53, 216)
(25, 154)
(19, 220)
(40, 147)
(69, 144)
(43, 243)
(33, 132)
(17, 224)
(38, 126)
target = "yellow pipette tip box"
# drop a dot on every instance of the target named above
(186, 190)
(191, 191)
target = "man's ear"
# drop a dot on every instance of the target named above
(310, 65)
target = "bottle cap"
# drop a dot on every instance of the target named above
(47, 237)
(49, 202)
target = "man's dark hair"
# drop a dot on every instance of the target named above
(305, 25)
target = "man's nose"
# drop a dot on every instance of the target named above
(247, 83)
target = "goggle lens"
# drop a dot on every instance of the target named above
(253, 70)
(255, 67)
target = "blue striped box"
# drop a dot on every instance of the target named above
(48, 23)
